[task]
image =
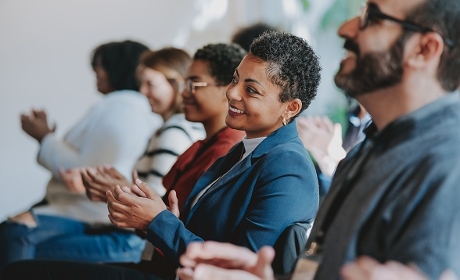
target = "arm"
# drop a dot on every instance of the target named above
(36, 124)
(97, 181)
(248, 203)
(257, 223)
(428, 210)
(72, 179)
(287, 180)
(138, 207)
(261, 224)
(115, 136)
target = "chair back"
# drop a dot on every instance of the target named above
(288, 247)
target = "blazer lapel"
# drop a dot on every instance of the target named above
(220, 167)
(222, 183)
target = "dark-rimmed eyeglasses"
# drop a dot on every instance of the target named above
(370, 12)
(191, 86)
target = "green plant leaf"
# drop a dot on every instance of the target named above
(340, 11)
(305, 4)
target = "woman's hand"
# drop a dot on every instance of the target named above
(130, 209)
(72, 179)
(97, 181)
(173, 203)
(36, 124)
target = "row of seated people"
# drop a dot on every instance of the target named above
(382, 193)
(393, 197)
(247, 167)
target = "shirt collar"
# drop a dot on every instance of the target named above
(251, 144)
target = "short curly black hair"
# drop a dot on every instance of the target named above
(223, 60)
(293, 65)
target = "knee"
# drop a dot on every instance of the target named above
(12, 231)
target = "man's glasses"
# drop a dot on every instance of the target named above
(191, 86)
(370, 13)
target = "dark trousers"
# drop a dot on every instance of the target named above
(41, 269)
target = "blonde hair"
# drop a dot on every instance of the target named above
(173, 63)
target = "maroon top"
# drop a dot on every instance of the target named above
(196, 160)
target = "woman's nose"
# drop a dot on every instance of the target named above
(232, 92)
(144, 89)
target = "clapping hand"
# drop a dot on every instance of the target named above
(36, 124)
(366, 268)
(213, 260)
(136, 207)
(323, 139)
(72, 179)
(99, 180)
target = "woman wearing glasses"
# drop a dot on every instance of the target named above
(161, 75)
(205, 102)
(261, 186)
(162, 79)
(265, 183)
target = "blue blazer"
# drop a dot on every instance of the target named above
(273, 187)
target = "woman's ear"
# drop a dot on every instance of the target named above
(293, 108)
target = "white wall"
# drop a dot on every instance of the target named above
(45, 47)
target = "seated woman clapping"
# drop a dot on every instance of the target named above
(261, 186)
(57, 227)
(162, 75)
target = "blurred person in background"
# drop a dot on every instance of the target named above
(115, 131)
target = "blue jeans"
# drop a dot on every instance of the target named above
(59, 238)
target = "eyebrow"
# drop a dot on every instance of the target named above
(373, 5)
(249, 80)
(193, 78)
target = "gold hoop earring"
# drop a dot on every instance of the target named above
(284, 121)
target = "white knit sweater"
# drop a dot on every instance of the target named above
(114, 132)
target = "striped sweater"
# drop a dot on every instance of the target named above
(170, 141)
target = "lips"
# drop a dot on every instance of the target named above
(235, 110)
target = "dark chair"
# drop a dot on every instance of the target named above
(288, 247)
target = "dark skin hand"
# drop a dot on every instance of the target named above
(129, 208)
(36, 124)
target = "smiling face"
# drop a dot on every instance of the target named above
(375, 54)
(158, 91)
(208, 104)
(254, 102)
